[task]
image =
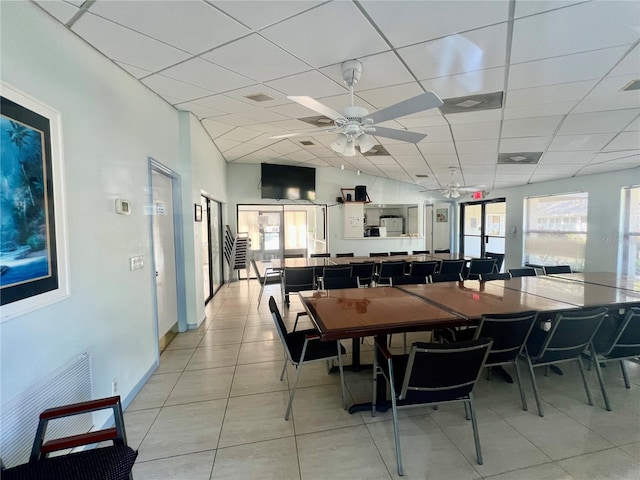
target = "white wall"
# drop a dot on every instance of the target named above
(603, 239)
(244, 188)
(111, 125)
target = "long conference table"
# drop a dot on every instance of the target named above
(359, 312)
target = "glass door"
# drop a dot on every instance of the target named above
(211, 247)
(483, 227)
(263, 225)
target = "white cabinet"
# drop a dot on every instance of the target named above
(353, 220)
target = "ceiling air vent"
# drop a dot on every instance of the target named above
(421, 175)
(632, 85)
(306, 143)
(472, 103)
(318, 121)
(375, 151)
(519, 158)
(259, 97)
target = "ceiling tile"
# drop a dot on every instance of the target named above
(206, 75)
(199, 111)
(174, 88)
(329, 23)
(557, 169)
(404, 22)
(525, 144)
(246, 56)
(463, 84)
(135, 71)
(124, 45)
(216, 128)
(562, 92)
(597, 122)
(569, 68)
(540, 110)
(633, 126)
(624, 141)
(312, 84)
(465, 52)
(531, 7)
(225, 145)
(530, 127)
(63, 11)
(629, 65)
(476, 131)
(383, 97)
(626, 156)
(478, 146)
(573, 157)
(606, 167)
(580, 142)
(478, 159)
(378, 71)
(437, 148)
(186, 25)
(494, 114)
(253, 14)
(440, 159)
(241, 134)
(608, 24)
(403, 149)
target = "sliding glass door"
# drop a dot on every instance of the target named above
(483, 227)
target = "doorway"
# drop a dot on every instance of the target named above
(483, 227)
(211, 247)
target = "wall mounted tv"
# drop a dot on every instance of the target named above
(288, 182)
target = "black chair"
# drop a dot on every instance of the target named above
(294, 255)
(616, 344)
(487, 277)
(570, 334)
(336, 271)
(304, 346)
(112, 462)
(388, 270)
(498, 257)
(270, 277)
(379, 254)
(399, 253)
(336, 283)
(421, 252)
(297, 279)
(446, 277)
(432, 373)
(442, 250)
(409, 280)
(551, 269)
(363, 271)
(343, 255)
(522, 272)
(320, 255)
(478, 266)
(423, 268)
(451, 266)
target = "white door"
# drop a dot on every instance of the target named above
(428, 227)
(164, 251)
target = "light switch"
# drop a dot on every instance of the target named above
(136, 263)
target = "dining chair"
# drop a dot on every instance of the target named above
(296, 279)
(551, 269)
(270, 277)
(320, 255)
(523, 272)
(379, 254)
(294, 255)
(113, 461)
(478, 266)
(363, 271)
(336, 271)
(431, 374)
(446, 277)
(343, 255)
(499, 258)
(399, 253)
(305, 346)
(423, 268)
(613, 344)
(487, 277)
(451, 266)
(388, 270)
(420, 252)
(336, 283)
(570, 334)
(442, 250)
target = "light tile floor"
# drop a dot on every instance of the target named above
(215, 407)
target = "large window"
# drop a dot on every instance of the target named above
(555, 230)
(631, 231)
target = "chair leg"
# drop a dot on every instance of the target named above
(375, 380)
(474, 425)
(467, 413)
(396, 428)
(625, 376)
(260, 295)
(284, 368)
(599, 373)
(535, 386)
(344, 394)
(293, 391)
(522, 397)
(584, 381)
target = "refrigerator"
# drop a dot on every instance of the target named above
(393, 225)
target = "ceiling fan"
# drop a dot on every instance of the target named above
(355, 125)
(453, 189)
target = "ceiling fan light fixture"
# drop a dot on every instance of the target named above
(349, 149)
(446, 194)
(455, 194)
(339, 144)
(365, 142)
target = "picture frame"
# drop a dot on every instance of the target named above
(33, 246)
(197, 212)
(442, 215)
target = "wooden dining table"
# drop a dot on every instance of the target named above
(607, 279)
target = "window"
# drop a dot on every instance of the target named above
(631, 231)
(555, 230)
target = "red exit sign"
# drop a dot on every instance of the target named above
(477, 195)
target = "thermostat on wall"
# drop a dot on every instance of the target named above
(123, 207)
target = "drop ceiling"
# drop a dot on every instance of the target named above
(561, 68)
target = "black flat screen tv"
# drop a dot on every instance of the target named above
(288, 182)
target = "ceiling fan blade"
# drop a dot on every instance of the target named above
(424, 101)
(402, 135)
(316, 106)
(315, 131)
(471, 188)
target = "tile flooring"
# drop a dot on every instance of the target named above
(215, 407)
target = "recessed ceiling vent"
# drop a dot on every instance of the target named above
(318, 121)
(519, 158)
(421, 175)
(472, 103)
(632, 85)
(375, 151)
(307, 143)
(259, 97)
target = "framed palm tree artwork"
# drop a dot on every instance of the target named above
(32, 240)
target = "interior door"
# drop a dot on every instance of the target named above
(483, 227)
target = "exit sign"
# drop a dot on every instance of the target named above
(477, 195)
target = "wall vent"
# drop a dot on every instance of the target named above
(19, 417)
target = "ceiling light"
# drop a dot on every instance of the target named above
(446, 194)
(358, 173)
(339, 143)
(455, 194)
(365, 142)
(342, 166)
(349, 149)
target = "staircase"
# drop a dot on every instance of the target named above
(235, 253)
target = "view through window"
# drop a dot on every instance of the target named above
(631, 231)
(555, 230)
